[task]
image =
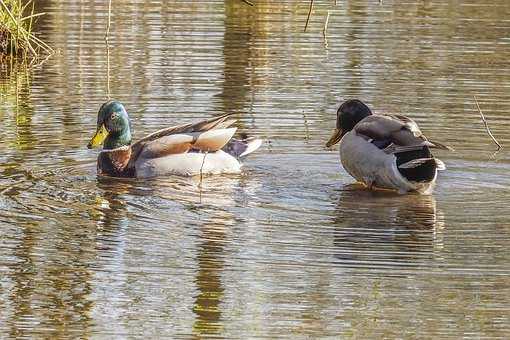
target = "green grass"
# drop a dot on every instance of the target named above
(16, 30)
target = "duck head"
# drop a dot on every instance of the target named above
(350, 113)
(113, 129)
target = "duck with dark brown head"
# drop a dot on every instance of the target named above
(385, 150)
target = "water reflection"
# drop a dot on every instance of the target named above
(172, 202)
(210, 261)
(49, 291)
(384, 229)
(15, 99)
(110, 214)
(238, 59)
(23, 274)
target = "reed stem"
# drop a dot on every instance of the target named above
(487, 125)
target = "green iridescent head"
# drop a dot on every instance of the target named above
(112, 127)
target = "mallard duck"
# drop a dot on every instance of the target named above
(385, 151)
(205, 147)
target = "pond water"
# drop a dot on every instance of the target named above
(290, 247)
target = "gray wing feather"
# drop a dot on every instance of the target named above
(398, 129)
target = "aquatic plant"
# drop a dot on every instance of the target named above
(16, 31)
(17, 106)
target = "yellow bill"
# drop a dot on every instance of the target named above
(337, 135)
(98, 138)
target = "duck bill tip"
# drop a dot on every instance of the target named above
(98, 138)
(335, 138)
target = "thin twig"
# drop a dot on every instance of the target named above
(307, 134)
(201, 172)
(325, 30)
(31, 16)
(201, 177)
(107, 43)
(17, 98)
(248, 2)
(107, 69)
(486, 125)
(42, 44)
(39, 62)
(109, 20)
(309, 14)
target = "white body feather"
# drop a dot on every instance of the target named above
(370, 165)
(188, 164)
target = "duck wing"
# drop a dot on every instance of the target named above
(208, 135)
(220, 122)
(207, 141)
(395, 133)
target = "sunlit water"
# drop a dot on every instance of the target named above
(290, 247)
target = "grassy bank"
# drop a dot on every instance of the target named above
(16, 31)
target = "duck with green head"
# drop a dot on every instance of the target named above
(385, 150)
(113, 127)
(205, 147)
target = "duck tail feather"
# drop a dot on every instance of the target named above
(393, 148)
(440, 165)
(437, 145)
(415, 163)
(242, 147)
(225, 124)
(252, 145)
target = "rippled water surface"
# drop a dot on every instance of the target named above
(290, 247)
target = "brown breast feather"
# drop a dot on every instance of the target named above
(119, 158)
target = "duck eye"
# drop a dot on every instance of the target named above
(114, 116)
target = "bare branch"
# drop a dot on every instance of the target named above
(309, 14)
(486, 125)
(325, 30)
(106, 35)
(201, 171)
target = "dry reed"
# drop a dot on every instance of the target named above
(16, 31)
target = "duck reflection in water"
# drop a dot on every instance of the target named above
(206, 214)
(384, 229)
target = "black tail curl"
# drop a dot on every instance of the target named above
(424, 171)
